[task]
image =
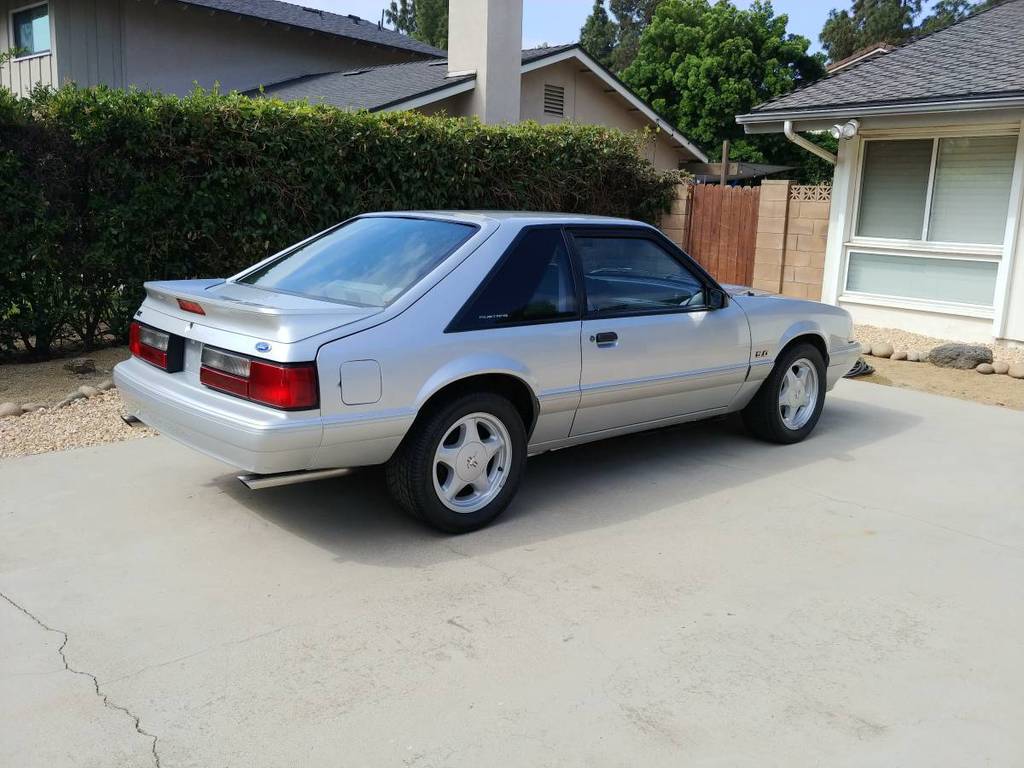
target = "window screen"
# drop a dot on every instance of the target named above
(533, 284)
(31, 30)
(631, 274)
(972, 189)
(894, 189)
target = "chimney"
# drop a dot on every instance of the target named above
(485, 36)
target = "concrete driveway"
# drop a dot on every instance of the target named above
(685, 597)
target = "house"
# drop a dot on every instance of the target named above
(172, 45)
(283, 50)
(925, 227)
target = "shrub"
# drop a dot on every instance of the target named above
(104, 189)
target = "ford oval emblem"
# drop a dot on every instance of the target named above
(262, 346)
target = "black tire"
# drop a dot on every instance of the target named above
(410, 472)
(762, 415)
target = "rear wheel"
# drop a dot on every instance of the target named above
(789, 402)
(461, 465)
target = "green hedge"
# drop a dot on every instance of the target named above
(103, 189)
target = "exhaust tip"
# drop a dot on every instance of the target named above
(256, 482)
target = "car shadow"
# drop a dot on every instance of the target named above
(564, 492)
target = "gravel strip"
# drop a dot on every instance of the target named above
(869, 334)
(89, 421)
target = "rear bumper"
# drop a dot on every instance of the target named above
(840, 361)
(238, 433)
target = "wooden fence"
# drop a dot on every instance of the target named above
(723, 231)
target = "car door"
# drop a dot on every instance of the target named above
(659, 338)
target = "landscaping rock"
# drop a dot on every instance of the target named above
(81, 365)
(985, 368)
(32, 407)
(882, 350)
(899, 354)
(88, 391)
(865, 349)
(10, 409)
(104, 385)
(76, 395)
(1016, 371)
(962, 356)
(914, 356)
(1000, 367)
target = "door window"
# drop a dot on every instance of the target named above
(632, 274)
(534, 284)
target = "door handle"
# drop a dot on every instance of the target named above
(606, 338)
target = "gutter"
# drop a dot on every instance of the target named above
(807, 145)
(853, 110)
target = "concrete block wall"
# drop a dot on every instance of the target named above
(676, 223)
(792, 228)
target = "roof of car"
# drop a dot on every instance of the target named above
(519, 217)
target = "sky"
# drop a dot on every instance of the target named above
(559, 21)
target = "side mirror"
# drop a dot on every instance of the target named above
(717, 298)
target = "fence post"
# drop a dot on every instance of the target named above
(676, 223)
(770, 247)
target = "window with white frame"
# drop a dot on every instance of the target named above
(932, 218)
(30, 30)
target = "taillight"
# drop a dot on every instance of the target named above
(288, 386)
(158, 348)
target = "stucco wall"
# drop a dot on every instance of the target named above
(587, 102)
(167, 49)
(22, 74)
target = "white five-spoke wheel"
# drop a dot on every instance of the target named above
(461, 463)
(471, 462)
(798, 395)
(789, 402)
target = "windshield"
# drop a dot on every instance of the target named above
(368, 262)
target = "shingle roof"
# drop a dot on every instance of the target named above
(980, 57)
(321, 21)
(376, 88)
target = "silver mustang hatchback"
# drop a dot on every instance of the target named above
(449, 346)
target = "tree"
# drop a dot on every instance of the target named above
(890, 21)
(614, 42)
(423, 20)
(700, 65)
(597, 37)
(632, 18)
(868, 22)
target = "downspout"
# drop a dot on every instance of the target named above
(803, 143)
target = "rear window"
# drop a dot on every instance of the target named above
(367, 262)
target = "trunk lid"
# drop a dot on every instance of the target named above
(244, 309)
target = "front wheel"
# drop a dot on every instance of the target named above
(461, 465)
(789, 402)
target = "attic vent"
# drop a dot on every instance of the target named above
(554, 100)
(354, 18)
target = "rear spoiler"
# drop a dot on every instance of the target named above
(228, 306)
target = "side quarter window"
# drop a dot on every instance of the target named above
(533, 284)
(635, 274)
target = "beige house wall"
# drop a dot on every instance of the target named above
(588, 102)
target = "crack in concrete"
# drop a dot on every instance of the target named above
(95, 681)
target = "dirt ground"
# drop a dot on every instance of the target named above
(48, 383)
(966, 385)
